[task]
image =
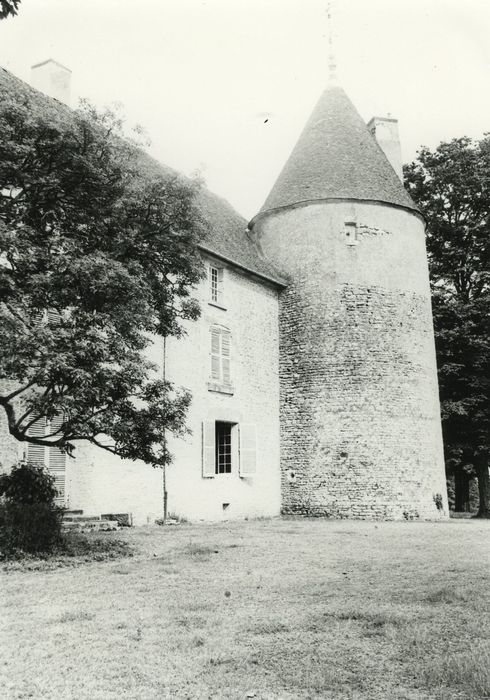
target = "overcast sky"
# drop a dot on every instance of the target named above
(203, 76)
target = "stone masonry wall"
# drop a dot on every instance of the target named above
(360, 420)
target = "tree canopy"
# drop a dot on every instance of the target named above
(451, 185)
(8, 8)
(98, 255)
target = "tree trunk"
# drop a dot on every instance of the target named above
(483, 488)
(461, 492)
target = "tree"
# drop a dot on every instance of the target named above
(451, 185)
(98, 255)
(8, 8)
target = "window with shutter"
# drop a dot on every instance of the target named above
(208, 449)
(219, 448)
(52, 458)
(57, 461)
(36, 454)
(53, 315)
(216, 354)
(248, 450)
(220, 355)
(225, 357)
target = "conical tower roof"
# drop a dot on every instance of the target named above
(336, 157)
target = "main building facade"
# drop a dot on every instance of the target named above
(312, 366)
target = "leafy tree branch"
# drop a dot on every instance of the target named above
(98, 258)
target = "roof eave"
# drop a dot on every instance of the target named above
(327, 200)
(282, 284)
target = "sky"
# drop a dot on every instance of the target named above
(224, 87)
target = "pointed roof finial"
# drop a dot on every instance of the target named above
(332, 63)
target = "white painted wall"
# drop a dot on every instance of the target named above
(251, 315)
(98, 482)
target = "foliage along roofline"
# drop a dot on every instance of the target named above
(227, 238)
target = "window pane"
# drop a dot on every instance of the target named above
(223, 448)
(214, 283)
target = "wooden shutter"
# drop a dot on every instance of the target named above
(36, 454)
(37, 318)
(248, 450)
(53, 315)
(225, 356)
(51, 458)
(208, 449)
(57, 462)
(215, 354)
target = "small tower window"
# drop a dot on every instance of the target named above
(350, 232)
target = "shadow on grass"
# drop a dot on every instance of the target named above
(74, 616)
(369, 621)
(268, 627)
(198, 551)
(73, 550)
(446, 595)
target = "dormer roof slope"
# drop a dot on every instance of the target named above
(336, 157)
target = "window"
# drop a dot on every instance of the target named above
(213, 276)
(223, 448)
(229, 448)
(220, 355)
(216, 285)
(350, 230)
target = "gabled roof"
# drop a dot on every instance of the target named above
(50, 60)
(227, 238)
(336, 157)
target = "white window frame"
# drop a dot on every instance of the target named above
(216, 285)
(229, 457)
(243, 457)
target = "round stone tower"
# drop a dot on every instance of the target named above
(360, 419)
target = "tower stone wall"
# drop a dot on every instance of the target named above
(360, 418)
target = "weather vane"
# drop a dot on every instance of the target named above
(332, 63)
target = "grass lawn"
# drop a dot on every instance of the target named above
(263, 609)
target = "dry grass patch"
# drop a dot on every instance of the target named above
(465, 669)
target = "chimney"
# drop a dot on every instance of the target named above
(385, 131)
(53, 79)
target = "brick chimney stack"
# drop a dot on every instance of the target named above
(53, 79)
(385, 131)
